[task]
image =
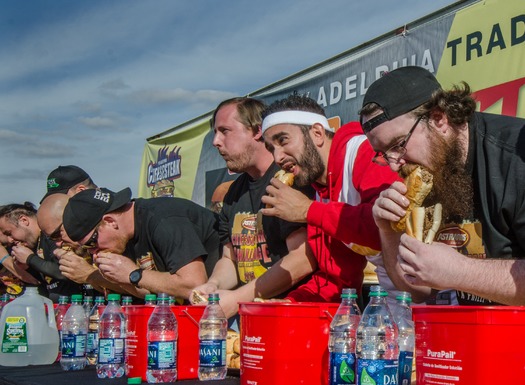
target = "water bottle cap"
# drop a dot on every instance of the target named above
(349, 293)
(113, 297)
(213, 297)
(404, 296)
(63, 299)
(76, 298)
(135, 380)
(377, 291)
(163, 296)
(88, 298)
(150, 297)
(99, 299)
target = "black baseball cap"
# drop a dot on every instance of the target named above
(62, 178)
(399, 92)
(85, 210)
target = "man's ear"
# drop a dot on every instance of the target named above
(439, 120)
(318, 134)
(23, 220)
(110, 220)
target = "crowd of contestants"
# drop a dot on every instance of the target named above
(305, 242)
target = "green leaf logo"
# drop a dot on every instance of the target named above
(346, 372)
(366, 379)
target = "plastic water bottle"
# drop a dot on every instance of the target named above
(60, 312)
(88, 304)
(74, 336)
(4, 300)
(213, 328)
(127, 300)
(377, 346)
(150, 299)
(28, 331)
(111, 362)
(405, 325)
(92, 340)
(162, 343)
(341, 343)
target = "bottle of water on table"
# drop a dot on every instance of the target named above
(162, 343)
(341, 343)
(111, 361)
(405, 325)
(377, 344)
(213, 329)
(94, 320)
(74, 336)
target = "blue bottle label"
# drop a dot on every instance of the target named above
(73, 346)
(342, 368)
(111, 350)
(405, 367)
(92, 343)
(162, 355)
(212, 353)
(377, 372)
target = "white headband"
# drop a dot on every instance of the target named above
(295, 117)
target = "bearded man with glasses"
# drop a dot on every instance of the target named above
(478, 165)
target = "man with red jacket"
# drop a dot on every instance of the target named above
(341, 229)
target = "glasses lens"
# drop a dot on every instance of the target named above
(380, 159)
(91, 242)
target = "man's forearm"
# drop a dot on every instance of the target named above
(224, 274)
(390, 251)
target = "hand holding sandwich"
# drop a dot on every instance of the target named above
(285, 202)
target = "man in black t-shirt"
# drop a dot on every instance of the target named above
(154, 245)
(262, 256)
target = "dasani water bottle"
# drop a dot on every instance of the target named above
(74, 336)
(405, 325)
(213, 329)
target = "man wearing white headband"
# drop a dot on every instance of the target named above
(339, 166)
(262, 256)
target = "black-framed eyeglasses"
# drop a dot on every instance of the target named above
(56, 235)
(395, 153)
(91, 243)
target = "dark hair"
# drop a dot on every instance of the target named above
(14, 211)
(296, 102)
(249, 110)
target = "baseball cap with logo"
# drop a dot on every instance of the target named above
(62, 178)
(399, 92)
(85, 210)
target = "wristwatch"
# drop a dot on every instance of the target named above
(135, 276)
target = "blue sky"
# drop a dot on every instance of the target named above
(86, 82)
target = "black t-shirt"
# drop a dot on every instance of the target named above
(258, 241)
(496, 160)
(172, 232)
(47, 264)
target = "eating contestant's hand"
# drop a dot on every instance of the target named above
(114, 267)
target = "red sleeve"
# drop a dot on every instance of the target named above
(355, 224)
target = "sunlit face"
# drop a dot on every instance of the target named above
(19, 233)
(233, 140)
(104, 238)
(294, 152)
(406, 132)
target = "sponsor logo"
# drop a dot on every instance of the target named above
(249, 223)
(453, 236)
(167, 166)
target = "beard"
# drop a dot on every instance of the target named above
(310, 162)
(452, 184)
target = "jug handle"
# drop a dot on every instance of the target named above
(190, 317)
(50, 312)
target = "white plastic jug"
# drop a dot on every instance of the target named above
(28, 330)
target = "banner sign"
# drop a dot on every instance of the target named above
(479, 42)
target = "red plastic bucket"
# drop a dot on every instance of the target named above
(469, 345)
(187, 345)
(285, 343)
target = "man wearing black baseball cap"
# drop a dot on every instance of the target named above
(150, 245)
(67, 180)
(478, 166)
